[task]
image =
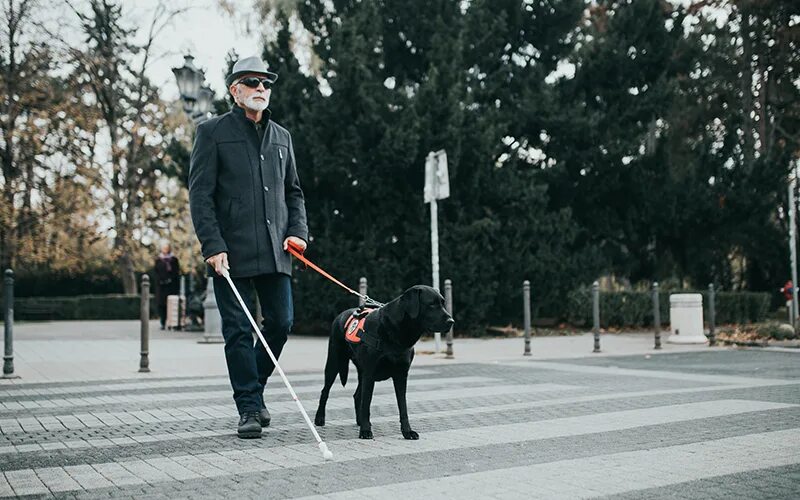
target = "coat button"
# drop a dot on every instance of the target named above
(266, 188)
(262, 157)
(269, 222)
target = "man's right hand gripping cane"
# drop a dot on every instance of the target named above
(219, 262)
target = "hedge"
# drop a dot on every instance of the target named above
(64, 283)
(623, 309)
(112, 306)
(618, 309)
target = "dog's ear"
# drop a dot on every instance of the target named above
(411, 303)
(394, 312)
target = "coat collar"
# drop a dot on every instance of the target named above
(238, 111)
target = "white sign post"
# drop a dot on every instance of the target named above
(793, 246)
(437, 187)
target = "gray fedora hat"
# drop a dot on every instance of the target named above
(250, 65)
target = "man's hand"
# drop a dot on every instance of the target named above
(298, 242)
(219, 262)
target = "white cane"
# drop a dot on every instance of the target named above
(326, 453)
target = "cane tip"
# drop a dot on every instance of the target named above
(326, 453)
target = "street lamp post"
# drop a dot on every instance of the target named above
(197, 99)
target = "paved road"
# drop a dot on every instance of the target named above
(707, 424)
(58, 351)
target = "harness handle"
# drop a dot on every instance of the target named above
(297, 251)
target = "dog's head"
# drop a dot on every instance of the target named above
(423, 306)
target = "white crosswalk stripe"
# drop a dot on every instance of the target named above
(21, 390)
(345, 402)
(119, 399)
(340, 398)
(605, 474)
(616, 371)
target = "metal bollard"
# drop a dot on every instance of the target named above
(144, 361)
(189, 296)
(362, 289)
(437, 336)
(712, 313)
(526, 313)
(656, 316)
(212, 321)
(182, 302)
(596, 314)
(448, 304)
(8, 358)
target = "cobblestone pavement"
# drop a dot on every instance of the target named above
(713, 424)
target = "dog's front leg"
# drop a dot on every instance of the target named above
(400, 383)
(367, 387)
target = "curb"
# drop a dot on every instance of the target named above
(788, 346)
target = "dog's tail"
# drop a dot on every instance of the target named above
(344, 366)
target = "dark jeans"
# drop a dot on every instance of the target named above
(249, 366)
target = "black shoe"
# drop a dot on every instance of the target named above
(249, 426)
(264, 417)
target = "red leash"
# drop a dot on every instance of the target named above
(297, 251)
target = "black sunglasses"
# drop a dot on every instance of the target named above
(253, 81)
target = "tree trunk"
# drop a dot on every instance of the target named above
(128, 274)
(8, 243)
(122, 249)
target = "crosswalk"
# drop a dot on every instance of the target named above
(503, 430)
(621, 472)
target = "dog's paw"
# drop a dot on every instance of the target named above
(409, 434)
(365, 434)
(319, 420)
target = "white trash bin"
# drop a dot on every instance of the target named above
(686, 319)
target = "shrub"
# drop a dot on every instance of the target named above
(626, 309)
(82, 307)
(777, 331)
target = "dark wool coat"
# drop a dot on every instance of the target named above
(244, 194)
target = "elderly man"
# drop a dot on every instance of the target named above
(246, 206)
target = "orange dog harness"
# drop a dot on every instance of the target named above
(354, 328)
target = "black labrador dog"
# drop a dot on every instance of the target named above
(382, 346)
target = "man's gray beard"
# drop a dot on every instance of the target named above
(253, 105)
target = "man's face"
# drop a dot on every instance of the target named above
(254, 99)
(165, 248)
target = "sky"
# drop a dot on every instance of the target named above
(205, 31)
